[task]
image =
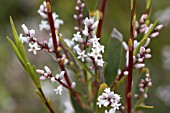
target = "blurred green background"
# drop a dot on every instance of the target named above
(17, 91)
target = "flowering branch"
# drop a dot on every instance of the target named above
(51, 22)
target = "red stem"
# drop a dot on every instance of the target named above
(99, 29)
(130, 66)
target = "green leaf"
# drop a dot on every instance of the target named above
(32, 72)
(148, 3)
(17, 52)
(74, 56)
(113, 56)
(91, 5)
(22, 51)
(144, 39)
(101, 90)
(143, 107)
(14, 32)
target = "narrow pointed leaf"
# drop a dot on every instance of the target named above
(112, 57)
(143, 41)
(32, 72)
(91, 5)
(22, 51)
(17, 52)
(143, 107)
(71, 52)
(14, 32)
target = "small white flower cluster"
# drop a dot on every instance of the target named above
(44, 23)
(48, 75)
(109, 99)
(90, 40)
(144, 83)
(141, 27)
(79, 16)
(29, 38)
(58, 78)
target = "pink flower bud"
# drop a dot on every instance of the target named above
(47, 70)
(159, 27)
(40, 71)
(42, 78)
(148, 55)
(142, 49)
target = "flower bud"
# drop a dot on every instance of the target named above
(25, 29)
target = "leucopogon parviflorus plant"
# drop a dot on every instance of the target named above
(93, 90)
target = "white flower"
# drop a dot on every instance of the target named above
(136, 43)
(34, 47)
(126, 73)
(95, 54)
(44, 25)
(24, 39)
(140, 65)
(43, 10)
(100, 62)
(70, 43)
(42, 78)
(110, 111)
(109, 98)
(88, 22)
(94, 26)
(94, 40)
(53, 79)
(25, 29)
(57, 23)
(81, 55)
(115, 106)
(76, 47)
(59, 90)
(61, 75)
(55, 16)
(32, 33)
(100, 48)
(47, 69)
(77, 37)
(86, 31)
